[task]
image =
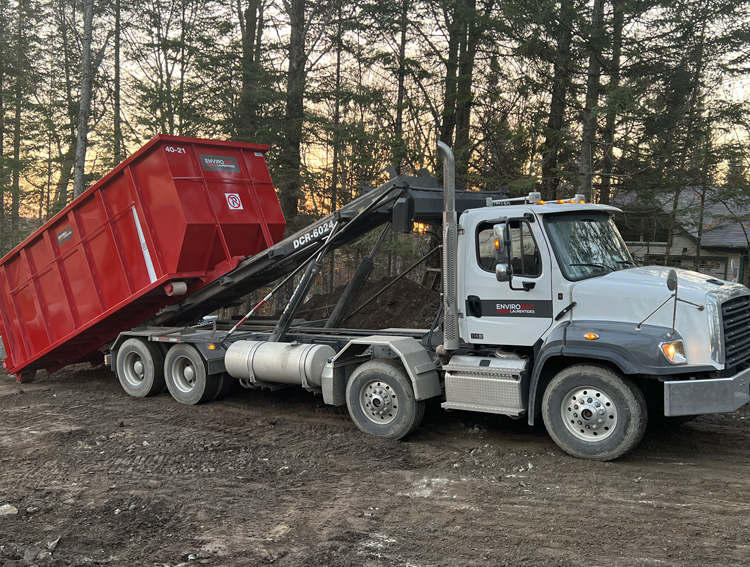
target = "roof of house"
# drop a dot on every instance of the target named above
(725, 224)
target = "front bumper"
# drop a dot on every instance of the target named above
(718, 395)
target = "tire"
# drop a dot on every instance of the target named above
(227, 385)
(187, 377)
(616, 406)
(140, 368)
(380, 400)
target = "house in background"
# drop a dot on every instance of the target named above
(724, 240)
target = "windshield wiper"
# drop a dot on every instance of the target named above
(601, 266)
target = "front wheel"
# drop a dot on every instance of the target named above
(381, 400)
(593, 413)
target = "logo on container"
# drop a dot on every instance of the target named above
(64, 234)
(219, 163)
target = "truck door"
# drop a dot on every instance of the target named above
(507, 313)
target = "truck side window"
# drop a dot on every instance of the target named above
(526, 259)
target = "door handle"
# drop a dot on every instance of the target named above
(474, 305)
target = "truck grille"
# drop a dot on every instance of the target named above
(735, 315)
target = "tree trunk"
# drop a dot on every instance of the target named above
(399, 147)
(336, 137)
(67, 159)
(15, 188)
(251, 29)
(608, 161)
(596, 37)
(85, 106)
(451, 81)
(467, 52)
(3, 179)
(118, 139)
(560, 81)
(701, 215)
(290, 158)
(18, 93)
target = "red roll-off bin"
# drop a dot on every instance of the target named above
(176, 215)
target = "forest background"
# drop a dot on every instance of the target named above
(601, 97)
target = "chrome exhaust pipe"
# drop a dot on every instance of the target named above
(450, 230)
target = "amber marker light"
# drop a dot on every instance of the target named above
(211, 347)
(591, 336)
(674, 351)
(497, 244)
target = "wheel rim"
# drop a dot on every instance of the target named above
(133, 369)
(589, 413)
(378, 402)
(183, 374)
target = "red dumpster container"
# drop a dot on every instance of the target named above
(176, 215)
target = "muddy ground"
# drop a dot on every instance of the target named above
(279, 478)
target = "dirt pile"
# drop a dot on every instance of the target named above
(406, 304)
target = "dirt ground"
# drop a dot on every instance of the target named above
(280, 478)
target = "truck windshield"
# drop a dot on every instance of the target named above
(587, 244)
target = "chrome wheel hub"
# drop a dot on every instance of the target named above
(133, 369)
(378, 402)
(183, 374)
(589, 414)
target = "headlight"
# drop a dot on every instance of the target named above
(674, 351)
(714, 329)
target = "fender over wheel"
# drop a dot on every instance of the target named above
(380, 400)
(140, 368)
(187, 376)
(594, 413)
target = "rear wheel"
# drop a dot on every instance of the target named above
(227, 385)
(381, 400)
(140, 368)
(593, 413)
(187, 376)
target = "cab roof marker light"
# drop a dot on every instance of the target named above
(531, 199)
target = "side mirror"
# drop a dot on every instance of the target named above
(503, 273)
(503, 252)
(672, 280)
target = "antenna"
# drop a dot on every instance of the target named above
(671, 286)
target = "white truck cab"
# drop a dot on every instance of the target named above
(590, 341)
